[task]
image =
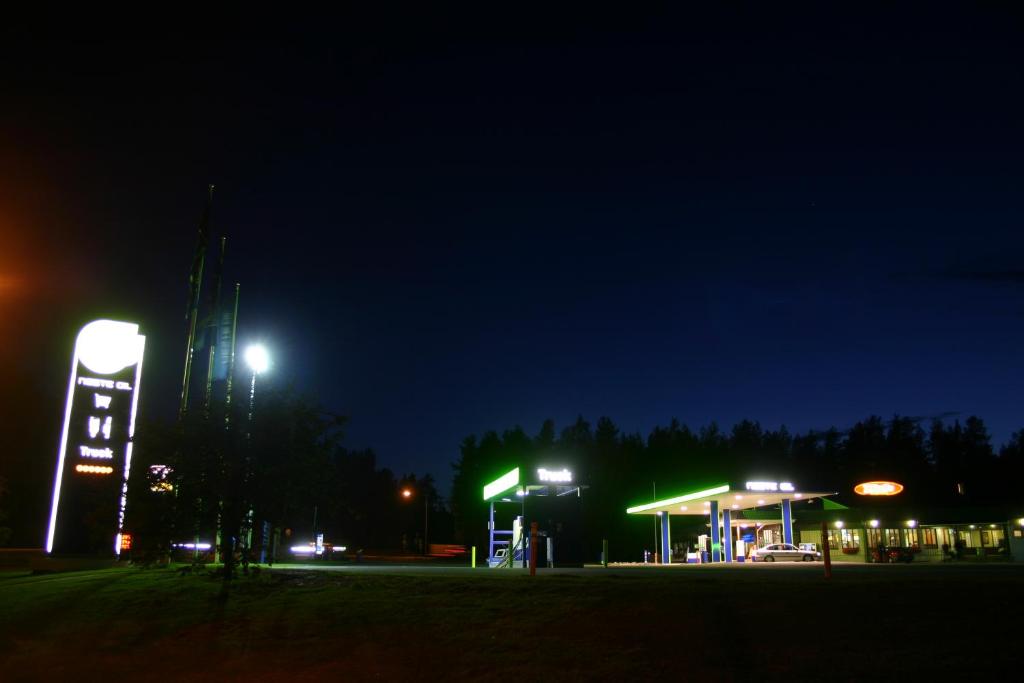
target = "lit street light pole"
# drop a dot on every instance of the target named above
(407, 494)
(258, 360)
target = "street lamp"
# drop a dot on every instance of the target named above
(258, 360)
(407, 494)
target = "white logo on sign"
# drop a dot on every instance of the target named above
(97, 425)
(769, 486)
(562, 475)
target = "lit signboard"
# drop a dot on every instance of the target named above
(555, 476)
(878, 488)
(501, 484)
(90, 488)
(784, 486)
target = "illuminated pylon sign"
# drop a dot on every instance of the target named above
(878, 488)
(90, 489)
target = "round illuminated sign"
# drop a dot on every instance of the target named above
(107, 346)
(878, 488)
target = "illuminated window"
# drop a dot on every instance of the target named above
(912, 538)
(874, 538)
(892, 538)
(992, 537)
(850, 538)
(847, 539)
(930, 540)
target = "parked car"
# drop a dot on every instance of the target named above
(783, 552)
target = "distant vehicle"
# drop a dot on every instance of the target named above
(783, 552)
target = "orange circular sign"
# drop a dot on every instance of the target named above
(878, 488)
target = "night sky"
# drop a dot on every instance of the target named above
(445, 226)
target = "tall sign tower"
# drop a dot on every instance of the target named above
(91, 485)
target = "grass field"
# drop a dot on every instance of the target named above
(366, 623)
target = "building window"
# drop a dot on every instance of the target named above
(930, 540)
(993, 537)
(850, 539)
(833, 539)
(892, 538)
(874, 538)
(912, 537)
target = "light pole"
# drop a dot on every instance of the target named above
(407, 494)
(258, 360)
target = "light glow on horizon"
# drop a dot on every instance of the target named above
(194, 546)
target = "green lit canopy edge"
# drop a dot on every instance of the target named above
(501, 485)
(832, 505)
(724, 488)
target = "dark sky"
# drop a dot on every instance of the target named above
(443, 226)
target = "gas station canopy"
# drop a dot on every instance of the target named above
(729, 496)
(516, 484)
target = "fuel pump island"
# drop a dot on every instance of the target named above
(547, 497)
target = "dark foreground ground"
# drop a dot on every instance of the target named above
(943, 622)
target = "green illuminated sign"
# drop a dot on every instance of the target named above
(501, 484)
(724, 488)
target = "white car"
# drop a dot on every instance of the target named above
(782, 552)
